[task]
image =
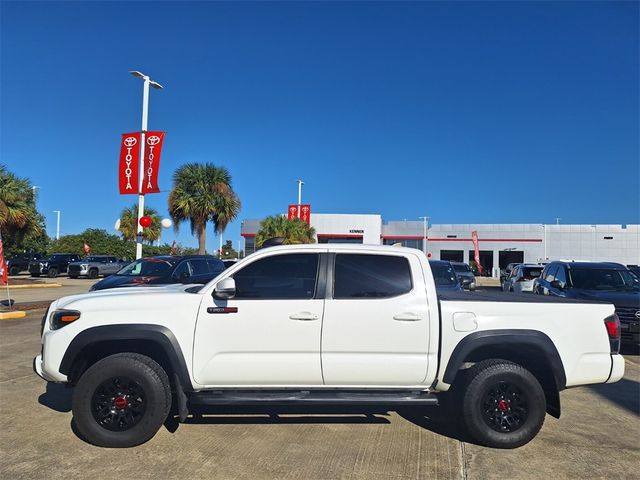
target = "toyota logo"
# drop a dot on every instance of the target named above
(153, 140)
(130, 141)
(638, 314)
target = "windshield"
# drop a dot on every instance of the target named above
(444, 274)
(603, 279)
(461, 267)
(156, 267)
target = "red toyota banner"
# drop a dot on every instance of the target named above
(476, 248)
(305, 213)
(4, 268)
(129, 161)
(152, 150)
(292, 212)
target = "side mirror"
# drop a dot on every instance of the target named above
(225, 289)
(556, 284)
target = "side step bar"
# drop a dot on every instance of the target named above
(314, 397)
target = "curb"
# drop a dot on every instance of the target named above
(39, 285)
(12, 315)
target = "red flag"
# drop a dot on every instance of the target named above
(476, 248)
(305, 213)
(129, 161)
(152, 149)
(173, 248)
(292, 212)
(4, 269)
(87, 248)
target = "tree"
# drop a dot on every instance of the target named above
(129, 224)
(228, 252)
(202, 193)
(293, 231)
(20, 221)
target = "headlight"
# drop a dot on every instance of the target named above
(60, 318)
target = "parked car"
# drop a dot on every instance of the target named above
(608, 282)
(465, 275)
(96, 265)
(163, 270)
(20, 263)
(53, 265)
(522, 277)
(445, 276)
(323, 325)
(229, 263)
(635, 269)
(504, 274)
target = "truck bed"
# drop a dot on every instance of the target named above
(499, 296)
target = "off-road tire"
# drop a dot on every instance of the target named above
(154, 392)
(13, 271)
(93, 273)
(52, 273)
(503, 404)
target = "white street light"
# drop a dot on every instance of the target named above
(145, 110)
(57, 224)
(300, 183)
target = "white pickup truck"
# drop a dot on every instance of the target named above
(323, 324)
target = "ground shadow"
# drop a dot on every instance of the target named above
(57, 397)
(438, 420)
(624, 393)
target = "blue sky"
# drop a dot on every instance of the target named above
(467, 112)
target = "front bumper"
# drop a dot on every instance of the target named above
(37, 368)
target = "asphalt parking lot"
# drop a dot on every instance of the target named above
(597, 437)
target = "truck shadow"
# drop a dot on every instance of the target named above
(57, 397)
(624, 393)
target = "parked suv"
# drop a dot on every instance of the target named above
(445, 276)
(465, 275)
(608, 282)
(92, 267)
(53, 265)
(163, 270)
(521, 278)
(20, 262)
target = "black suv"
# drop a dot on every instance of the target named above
(20, 262)
(52, 265)
(163, 270)
(609, 282)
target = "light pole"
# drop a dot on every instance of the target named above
(426, 227)
(57, 224)
(145, 110)
(558, 220)
(300, 183)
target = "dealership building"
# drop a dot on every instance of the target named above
(499, 244)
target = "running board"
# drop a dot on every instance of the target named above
(313, 397)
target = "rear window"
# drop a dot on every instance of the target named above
(371, 276)
(461, 267)
(531, 272)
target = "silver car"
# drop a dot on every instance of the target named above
(465, 275)
(522, 277)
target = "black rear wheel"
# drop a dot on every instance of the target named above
(52, 273)
(504, 405)
(121, 401)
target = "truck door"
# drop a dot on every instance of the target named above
(376, 324)
(269, 333)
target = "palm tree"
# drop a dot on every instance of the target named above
(202, 193)
(129, 224)
(18, 214)
(294, 231)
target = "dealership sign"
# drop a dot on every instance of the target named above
(303, 212)
(128, 167)
(129, 160)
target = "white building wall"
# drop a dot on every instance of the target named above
(369, 226)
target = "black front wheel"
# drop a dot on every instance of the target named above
(121, 401)
(52, 273)
(13, 271)
(503, 405)
(93, 273)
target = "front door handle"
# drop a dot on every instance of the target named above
(303, 316)
(407, 317)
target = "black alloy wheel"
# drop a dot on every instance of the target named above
(93, 273)
(504, 407)
(118, 404)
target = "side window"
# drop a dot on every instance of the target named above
(181, 270)
(199, 266)
(551, 273)
(561, 276)
(279, 277)
(371, 276)
(215, 265)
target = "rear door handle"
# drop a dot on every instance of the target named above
(407, 317)
(303, 316)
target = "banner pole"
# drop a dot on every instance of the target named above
(145, 110)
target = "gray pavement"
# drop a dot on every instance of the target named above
(597, 437)
(70, 286)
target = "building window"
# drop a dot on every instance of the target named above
(411, 243)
